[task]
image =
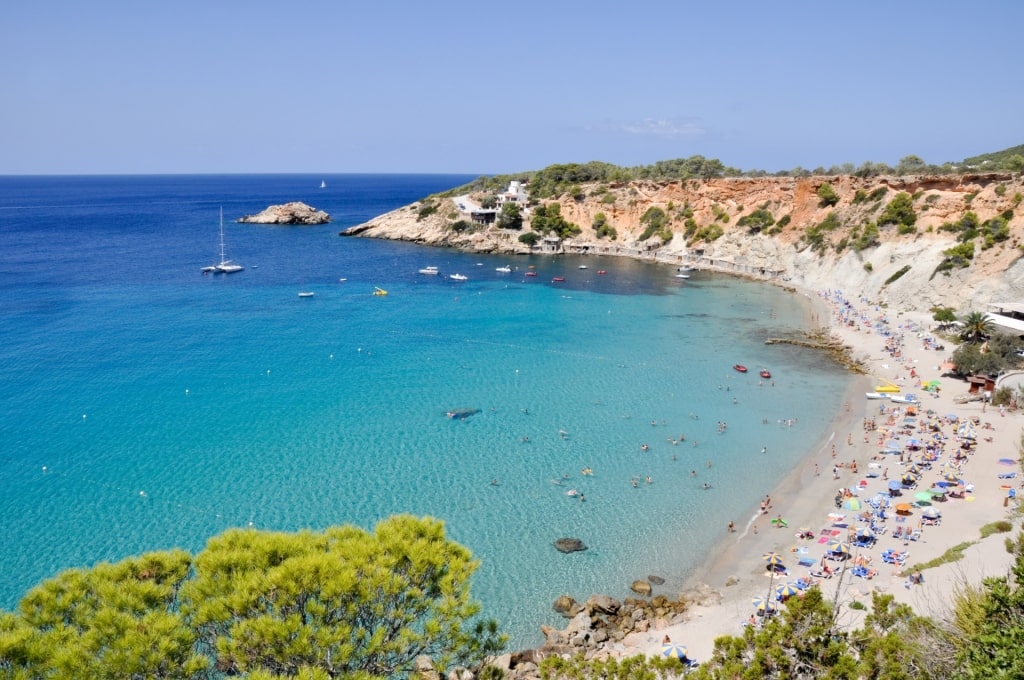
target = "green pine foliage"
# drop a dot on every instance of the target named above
(339, 603)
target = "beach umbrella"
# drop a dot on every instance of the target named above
(852, 504)
(923, 496)
(937, 491)
(903, 508)
(865, 532)
(894, 485)
(760, 604)
(786, 591)
(837, 546)
(772, 558)
(671, 650)
(966, 430)
(931, 512)
(950, 477)
(914, 443)
(914, 470)
(892, 444)
(908, 479)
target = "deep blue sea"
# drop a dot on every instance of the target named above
(144, 405)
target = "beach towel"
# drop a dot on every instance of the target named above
(806, 562)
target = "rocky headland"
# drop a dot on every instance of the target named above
(916, 242)
(289, 213)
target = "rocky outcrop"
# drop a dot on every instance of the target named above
(568, 545)
(711, 226)
(289, 213)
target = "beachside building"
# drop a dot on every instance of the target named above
(515, 193)
(1007, 317)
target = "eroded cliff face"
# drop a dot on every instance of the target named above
(704, 219)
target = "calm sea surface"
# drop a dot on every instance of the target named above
(145, 406)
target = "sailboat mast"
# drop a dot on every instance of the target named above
(222, 258)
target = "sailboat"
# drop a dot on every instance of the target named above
(225, 266)
(323, 184)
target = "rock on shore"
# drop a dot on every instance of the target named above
(289, 213)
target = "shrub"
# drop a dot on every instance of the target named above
(859, 196)
(756, 221)
(868, 238)
(827, 196)
(710, 233)
(903, 270)
(690, 227)
(900, 211)
(868, 267)
(1000, 190)
(530, 238)
(426, 210)
(602, 229)
(656, 223)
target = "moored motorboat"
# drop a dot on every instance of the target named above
(429, 271)
(601, 271)
(765, 373)
(306, 293)
(531, 273)
(557, 279)
(380, 291)
(458, 277)
(740, 367)
(504, 270)
(582, 266)
(876, 395)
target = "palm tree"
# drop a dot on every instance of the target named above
(977, 327)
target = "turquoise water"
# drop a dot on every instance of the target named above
(167, 406)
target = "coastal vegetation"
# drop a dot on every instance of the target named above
(339, 603)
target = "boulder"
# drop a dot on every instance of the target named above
(564, 605)
(289, 213)
(656, 580)
(603, 604)
(641, 587)
(568, 545)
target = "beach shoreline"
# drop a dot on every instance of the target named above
(805, 498)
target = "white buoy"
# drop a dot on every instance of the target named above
(142, 493)
(83, 416)
(332, 356)
(44, 468)
(186, 391)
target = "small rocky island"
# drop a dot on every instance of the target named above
(289, 213)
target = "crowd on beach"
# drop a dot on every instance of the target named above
(924, 465)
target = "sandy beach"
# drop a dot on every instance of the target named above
(895, 348)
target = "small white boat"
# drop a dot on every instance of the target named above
(323, 184)
(685, 270)
(582, 266)
(682, 276)
(504, 270)
(429, 271)
(876, 395)
(306, 293)
(458, 277)
(904, 398)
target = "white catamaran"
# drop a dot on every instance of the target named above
(225, 266)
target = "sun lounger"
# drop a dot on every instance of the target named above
(914, 535)
(1007, 475)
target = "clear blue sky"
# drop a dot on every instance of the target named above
(487, 87)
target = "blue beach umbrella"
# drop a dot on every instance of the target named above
(671, 650)
(786, 591)
(837, 546)
(772, 558)
(894, 485)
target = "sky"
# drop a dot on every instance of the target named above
(452, 86)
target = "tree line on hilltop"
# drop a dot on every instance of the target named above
(559, 179)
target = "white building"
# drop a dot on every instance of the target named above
(514, 194)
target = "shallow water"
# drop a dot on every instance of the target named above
(167, 406)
